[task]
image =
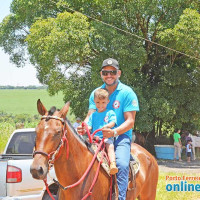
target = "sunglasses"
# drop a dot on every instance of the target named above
(105, 73)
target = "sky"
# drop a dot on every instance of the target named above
(9, 73)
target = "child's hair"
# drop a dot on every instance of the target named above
(189, 140)
(101, 94)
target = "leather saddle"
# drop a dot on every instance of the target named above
(134, 166)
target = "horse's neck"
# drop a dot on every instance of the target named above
(78, 158)
(69, 171)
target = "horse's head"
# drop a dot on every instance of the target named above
(49, 133)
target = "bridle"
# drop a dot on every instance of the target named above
(55, 154)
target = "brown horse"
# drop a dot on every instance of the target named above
(49, 133)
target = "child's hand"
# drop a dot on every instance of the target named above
(107, 132)
(81, 130)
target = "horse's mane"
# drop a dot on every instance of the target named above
(79, 137)
(74, 131)
(52, 110)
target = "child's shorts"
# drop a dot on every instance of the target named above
(188, 154)
(109, 140)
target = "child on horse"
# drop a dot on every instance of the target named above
(104, 118)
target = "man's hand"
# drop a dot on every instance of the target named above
(107, 132)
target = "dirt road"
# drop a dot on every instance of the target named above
(171, 166)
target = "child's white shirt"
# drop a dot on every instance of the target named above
(188, 148)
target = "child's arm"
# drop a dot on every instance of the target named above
(89, 123)
(109, 125)
(85, 130)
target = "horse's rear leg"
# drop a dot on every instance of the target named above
(149, 190)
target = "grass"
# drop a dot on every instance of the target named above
(24, 101)
(163, 194)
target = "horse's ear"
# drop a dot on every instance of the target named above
(64, 110)
(40, 107)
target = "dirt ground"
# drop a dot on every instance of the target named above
(177, 166)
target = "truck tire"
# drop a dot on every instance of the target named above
(54, 189)
(47, 197)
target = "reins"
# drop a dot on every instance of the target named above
(88, 132)
(87, 170)
(55, 154)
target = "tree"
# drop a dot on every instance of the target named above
(68, 48)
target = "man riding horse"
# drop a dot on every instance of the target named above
(124, 102)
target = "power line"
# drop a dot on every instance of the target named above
(193, 57)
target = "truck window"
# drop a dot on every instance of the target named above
(21, 143)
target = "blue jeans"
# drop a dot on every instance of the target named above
(122, 152)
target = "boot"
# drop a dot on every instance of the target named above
(113, 168)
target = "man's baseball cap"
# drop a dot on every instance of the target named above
(110, 62)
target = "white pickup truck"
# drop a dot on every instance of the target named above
(16, 181)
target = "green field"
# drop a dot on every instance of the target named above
(17, 105)
(24, 101)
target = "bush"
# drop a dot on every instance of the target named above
(9, 122)
(6, 130)
(165, 140)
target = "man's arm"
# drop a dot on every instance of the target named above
(124, 127)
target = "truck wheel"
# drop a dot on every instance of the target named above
(47, 197)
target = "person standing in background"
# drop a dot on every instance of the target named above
(189, 150)
(77, 123)
(177, 144)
